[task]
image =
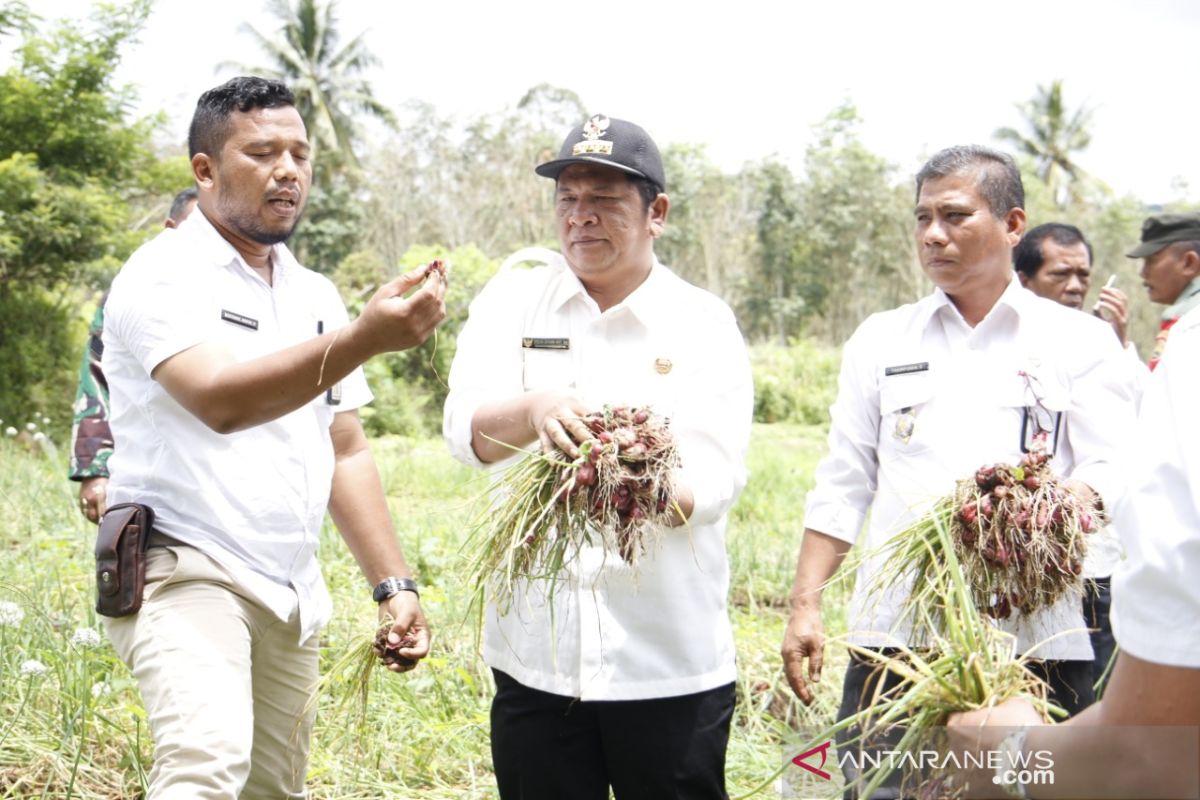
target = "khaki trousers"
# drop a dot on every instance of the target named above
(223, 681)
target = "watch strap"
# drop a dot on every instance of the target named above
(389, 587)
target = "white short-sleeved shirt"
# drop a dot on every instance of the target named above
(925, 400)
(1156, 589)
(611, 634)
(253, 500)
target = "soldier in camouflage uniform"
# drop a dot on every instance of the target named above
(92, 439)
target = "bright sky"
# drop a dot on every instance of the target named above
(750, 78)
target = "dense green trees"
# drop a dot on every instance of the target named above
(801, 252)
(76, 176)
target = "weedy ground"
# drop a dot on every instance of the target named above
(72, 725)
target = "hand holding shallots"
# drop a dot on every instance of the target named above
(613, 491)
(1019, 533)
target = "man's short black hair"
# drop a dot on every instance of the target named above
(180, 203)
(998, 179)
(646, 188)
(1027, 255)
(210, 123)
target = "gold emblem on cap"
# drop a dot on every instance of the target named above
(662, 365)
(593, 129)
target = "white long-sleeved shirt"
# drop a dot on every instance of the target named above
(610, 633)
(1156, 590)
(924, 400)
(254, 500)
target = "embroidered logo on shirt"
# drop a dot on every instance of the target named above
(907, 369)
(662, 365)
(239, 319)
(537, 343)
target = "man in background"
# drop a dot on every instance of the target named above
(91, 437)
(1170, 253)
(1054, 261)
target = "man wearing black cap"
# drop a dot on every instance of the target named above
(607, 676)
(1171, 268)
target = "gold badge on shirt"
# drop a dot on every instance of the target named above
(906, 423)
(662, 365)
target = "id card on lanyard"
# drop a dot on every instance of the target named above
(1040, 426)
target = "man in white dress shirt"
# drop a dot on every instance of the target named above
(1141, 739)
(234, 380)
(969, 375)
(619, 679)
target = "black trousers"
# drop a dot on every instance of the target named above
(549, 747)
(1097, 602)
(1070, 687)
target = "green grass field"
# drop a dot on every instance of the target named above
(71, 724)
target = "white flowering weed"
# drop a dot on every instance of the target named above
(11, 614)
(33, 668)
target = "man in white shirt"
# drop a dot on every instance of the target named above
(1054, 261)
(234, 380)
(971, 374)
(607, 677)
(1141, 740)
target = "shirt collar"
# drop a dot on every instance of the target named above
(569, 286)
(1188, 299)
(643, 302)
(1015, 296)
(218, 251)
(646, 300)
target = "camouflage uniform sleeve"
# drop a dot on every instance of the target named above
(92, 439)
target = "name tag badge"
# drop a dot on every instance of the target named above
(239, 319)
(906, 369)
(543, 343)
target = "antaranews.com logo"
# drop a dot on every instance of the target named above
(822, 770)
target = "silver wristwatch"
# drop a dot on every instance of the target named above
(389, 587)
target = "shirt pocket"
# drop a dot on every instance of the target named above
(547, 369)
(906, 426)
(245, 343)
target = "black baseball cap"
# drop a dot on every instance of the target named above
(1164, 229)
(613, 143)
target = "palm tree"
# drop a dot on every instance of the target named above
(326, 80)
(1055, 135)
(14, 16)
